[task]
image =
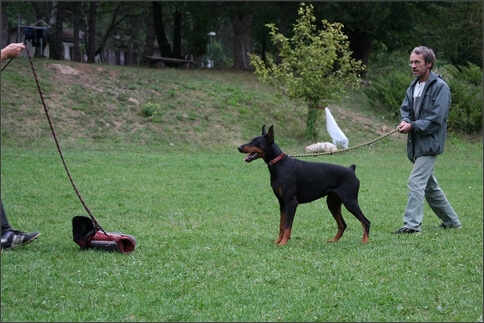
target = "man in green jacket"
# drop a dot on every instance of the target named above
(424, 114)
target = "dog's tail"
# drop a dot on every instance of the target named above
(353, 167)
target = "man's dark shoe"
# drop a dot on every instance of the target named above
(16, 238)
(443, 226)
(405, 230)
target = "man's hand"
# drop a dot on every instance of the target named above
(12, 51)
(404, 127)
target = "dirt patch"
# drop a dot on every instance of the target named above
(64, 69)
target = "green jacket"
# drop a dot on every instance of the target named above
(429, 128)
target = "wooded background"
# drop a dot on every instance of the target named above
(181, 30)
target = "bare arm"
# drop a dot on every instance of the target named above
(13, 50)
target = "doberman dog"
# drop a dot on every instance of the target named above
(296, 182)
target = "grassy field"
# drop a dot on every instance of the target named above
(164, 168)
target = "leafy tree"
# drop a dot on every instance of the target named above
(189, 24)
(122, 19)
(283, 13)
(201, 18)
(460, 37)
(363, 23)
(316, 65)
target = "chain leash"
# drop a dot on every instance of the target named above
(347, 149)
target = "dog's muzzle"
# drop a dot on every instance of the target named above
(251, 157)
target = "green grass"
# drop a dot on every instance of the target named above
(205, 224)
(205, 220)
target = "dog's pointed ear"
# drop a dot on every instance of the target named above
(270, 134)
(264, 130)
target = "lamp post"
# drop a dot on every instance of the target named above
(211, 34)
(210, 62)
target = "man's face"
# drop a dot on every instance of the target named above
(420, 69)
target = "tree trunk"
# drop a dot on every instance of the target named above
(313, 115)
(54, 52)
(242, 40)
(91, 37)
(59, 30)
(109, 31)
(165, 49)
(76, 52)
(150, 39)
(177, 50)
(5, 29)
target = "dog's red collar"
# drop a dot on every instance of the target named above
(275, 160)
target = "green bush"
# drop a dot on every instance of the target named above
(150, 110)
(465, 82)
(390, 76)
(216, 53)
(386, 92)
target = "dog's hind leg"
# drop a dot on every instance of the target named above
(355, 209)
(334, 204)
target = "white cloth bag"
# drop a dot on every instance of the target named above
(339, 138)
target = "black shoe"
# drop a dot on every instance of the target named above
(16, 238)
(443, 226)
(405, 230)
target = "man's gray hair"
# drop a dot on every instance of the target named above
(427, 53)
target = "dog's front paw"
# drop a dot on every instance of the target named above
(282, 242)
